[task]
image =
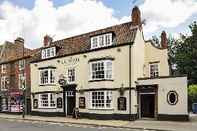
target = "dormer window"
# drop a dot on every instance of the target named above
(101, 41)
(48, 52)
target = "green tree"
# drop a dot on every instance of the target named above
(186, 55)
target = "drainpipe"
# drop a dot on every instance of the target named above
(130, 81)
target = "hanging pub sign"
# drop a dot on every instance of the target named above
(122, 103)
(62, 80)
(82, 102)
(59, 102)
(35, 103)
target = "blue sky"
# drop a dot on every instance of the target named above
(61, 18)
(120, 6)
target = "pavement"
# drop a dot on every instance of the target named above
(149, 124)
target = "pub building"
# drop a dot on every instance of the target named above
(111, 73)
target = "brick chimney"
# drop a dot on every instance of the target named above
(19, 41)
(164, 41)
(47, 40)
(136, 17)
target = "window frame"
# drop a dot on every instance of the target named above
(3, 68)
(73, 75)
(105, 70)
(3, 82)
(176, 97)
(107, 93)
(48, 52)
(154, 76)
(104, 42)
(20, 75)
(49, 101)
(21, 64)
(49, 78)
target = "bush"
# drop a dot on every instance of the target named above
(192, 95)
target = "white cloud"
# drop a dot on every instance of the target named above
(166, 13)
(74, 18)
(82, 16)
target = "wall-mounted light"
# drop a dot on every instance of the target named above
(119, 50)
(84, 56)
(121, 90)
(122, 85)
(136, 82)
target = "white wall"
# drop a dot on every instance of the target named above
(178, 84)
(153, 54)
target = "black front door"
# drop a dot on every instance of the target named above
(70, 104)
(147, 105)
(70, 101)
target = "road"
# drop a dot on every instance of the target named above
(20, 125)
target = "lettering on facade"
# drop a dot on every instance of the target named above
(122, 103)
(59, 102)
(82, 102)
(70, 61)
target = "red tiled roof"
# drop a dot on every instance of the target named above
(124, 33)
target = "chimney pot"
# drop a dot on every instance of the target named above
(164, 43)
(47, 40)
(136, 17)
(19, 40)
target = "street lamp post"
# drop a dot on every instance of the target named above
(24, 96)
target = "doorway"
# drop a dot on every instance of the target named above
(70, 102)
(147, 105)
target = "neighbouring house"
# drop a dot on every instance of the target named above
(14, 76)
(111, 73)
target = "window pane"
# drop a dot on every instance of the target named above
(101, 41)
(71, 75)
(101, 99)
(47, 76)
(154, 71)
(101, 70)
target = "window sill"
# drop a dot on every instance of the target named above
(47, 85)
(47, 108)
(101, 80)
(107, 109)
(70, 83)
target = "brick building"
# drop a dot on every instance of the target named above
(14, 75)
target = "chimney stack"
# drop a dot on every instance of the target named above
(164, 41)
(19, 41)
(136, 17)
(47, 40)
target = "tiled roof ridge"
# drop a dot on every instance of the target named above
(123, 33)
(88, 33)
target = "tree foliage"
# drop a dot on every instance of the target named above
(186, 55)
(192, 95)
